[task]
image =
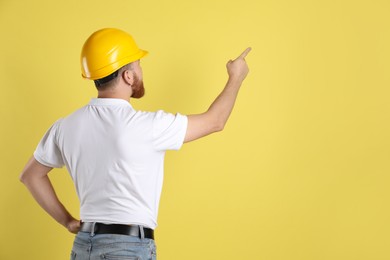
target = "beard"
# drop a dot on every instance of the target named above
(138, 88)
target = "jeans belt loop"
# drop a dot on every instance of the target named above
(141, 228)
(93, 229)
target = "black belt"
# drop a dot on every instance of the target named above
(129, 230)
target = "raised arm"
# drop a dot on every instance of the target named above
(215, 118)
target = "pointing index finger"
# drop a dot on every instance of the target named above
(243, 55)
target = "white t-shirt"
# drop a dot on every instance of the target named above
(115, 156)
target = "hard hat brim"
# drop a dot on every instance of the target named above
(107, 70)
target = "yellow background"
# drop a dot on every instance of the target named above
(300, 172)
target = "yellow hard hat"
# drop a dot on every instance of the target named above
(106, 51)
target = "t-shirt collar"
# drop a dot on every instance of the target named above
(109, 102)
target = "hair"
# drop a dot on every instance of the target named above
(111, 80)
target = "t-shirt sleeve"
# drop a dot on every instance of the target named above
(47, 151)
(169, 130)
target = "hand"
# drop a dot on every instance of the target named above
(238, 69)
(73, 226)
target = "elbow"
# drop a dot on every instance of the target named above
(22, 177)
(215, 121)
(25, 177)
(33, 171)
(219, 126)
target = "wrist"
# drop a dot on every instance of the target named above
(74, 226)
(234, 81)
(67, 221)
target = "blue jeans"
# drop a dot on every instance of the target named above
(108, 246)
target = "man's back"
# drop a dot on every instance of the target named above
(115, 156)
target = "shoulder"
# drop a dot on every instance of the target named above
(157, 115)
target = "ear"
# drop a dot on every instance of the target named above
(128, 77)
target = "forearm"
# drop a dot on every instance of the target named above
(42, 190)
(222, 107)
(215, 118)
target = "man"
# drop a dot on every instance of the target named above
(115, 154)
